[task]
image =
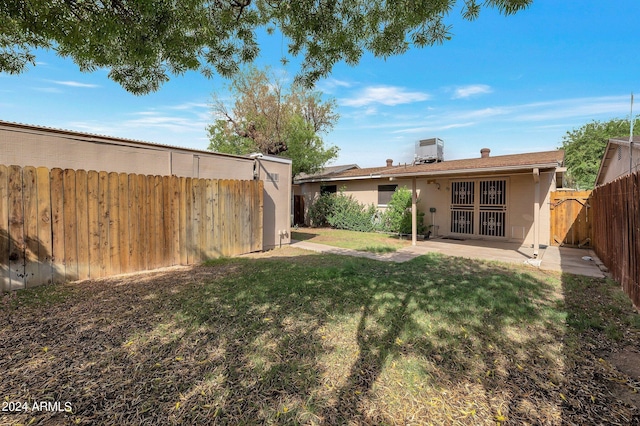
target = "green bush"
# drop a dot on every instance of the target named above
(397, 217)
(349, 214)
(320, 209)
(342, 212)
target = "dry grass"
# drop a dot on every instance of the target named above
(293, 338)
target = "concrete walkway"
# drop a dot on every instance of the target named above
(551, 258)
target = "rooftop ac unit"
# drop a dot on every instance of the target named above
(429, 151)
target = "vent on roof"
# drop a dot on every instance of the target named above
(429, 151)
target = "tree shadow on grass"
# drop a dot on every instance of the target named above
(317, 339)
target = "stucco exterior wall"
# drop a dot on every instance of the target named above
(32, 146)
(276, 175)
(436, 193)
(619, 164)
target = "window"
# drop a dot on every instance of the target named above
(328, 189)
(385, 192)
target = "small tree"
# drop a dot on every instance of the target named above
(397, 218)
(585, 146)
(273, 119)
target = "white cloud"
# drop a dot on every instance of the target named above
(384, 95)
(438, 128)
(48, 89)
(471, 90)
(330, 85)
(75, 84)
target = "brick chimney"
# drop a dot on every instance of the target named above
(389, 162)
(484, 153)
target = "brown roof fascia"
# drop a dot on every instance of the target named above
(504, 163)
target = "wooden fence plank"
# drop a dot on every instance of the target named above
(134, 224)
(222, 207)
(175, 218)
(215, 210)
(158, 225)
(82, 216)
(70, 226)
(189, 221)
(151, 222)
(16, 228)
(114, 217)
(245, 238)
(104, 254)
(44, 225)
(5, 277)
(167, 229)
(123, 221)
(32, 249)
(197, 219)
(182, 228)
(145, 229)
(57, 224)
(203, 231)
(212, 218)
(93, 213)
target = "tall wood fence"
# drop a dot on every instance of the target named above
(616, 231)
(58, 225)
(571, 218)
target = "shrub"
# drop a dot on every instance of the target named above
(342, 212)
(320, 209)
(348, 214)
(397, 217)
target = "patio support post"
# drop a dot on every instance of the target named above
(536, 213)
(414, 213)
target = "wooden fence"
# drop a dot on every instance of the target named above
(616, 231)
(58, 225)
(571, 218)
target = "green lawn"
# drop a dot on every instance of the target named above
(362, 241)
(297, 338)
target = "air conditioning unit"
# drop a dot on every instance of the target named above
(429, 151)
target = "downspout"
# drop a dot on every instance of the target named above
(414, 213)
(536, 213)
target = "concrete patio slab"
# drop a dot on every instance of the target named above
(562, 259)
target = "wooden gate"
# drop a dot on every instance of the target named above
(298, 210)
(570, 218)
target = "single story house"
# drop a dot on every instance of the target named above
(38, 146)
(490, 197)
(620, 158)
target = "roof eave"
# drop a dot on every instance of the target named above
(552, 165)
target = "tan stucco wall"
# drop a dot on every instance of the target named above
(619, 166)
(277, 202)
(38, 147)
(436, 192)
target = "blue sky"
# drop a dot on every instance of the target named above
(513, 84)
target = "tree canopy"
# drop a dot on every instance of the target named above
(271, 118)
(143, 42)
(585, 146)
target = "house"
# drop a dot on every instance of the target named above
(489, 197)
(620, 157)
(30, 145)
